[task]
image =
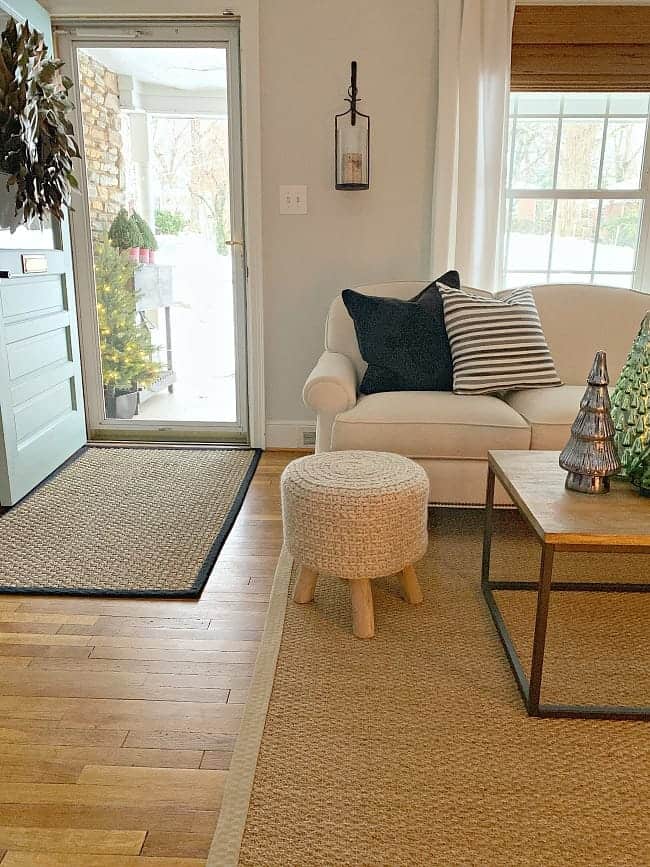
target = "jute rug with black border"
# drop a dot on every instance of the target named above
(125, 522)
(414, 748)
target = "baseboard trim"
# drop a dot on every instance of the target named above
(288, 434)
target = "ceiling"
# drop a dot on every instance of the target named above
(191, 69)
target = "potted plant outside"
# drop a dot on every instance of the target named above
(37, 146)
(149, 244)
(137, 240)
(125, 344)
(120, 231)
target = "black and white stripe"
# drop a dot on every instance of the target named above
(497, 344)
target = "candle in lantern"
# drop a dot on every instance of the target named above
(352, 168)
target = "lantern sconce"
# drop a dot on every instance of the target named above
(352, 142)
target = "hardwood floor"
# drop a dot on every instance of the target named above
(118, 717)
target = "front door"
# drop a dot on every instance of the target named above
(42, 418)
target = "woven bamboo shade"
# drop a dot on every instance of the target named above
(569, 48)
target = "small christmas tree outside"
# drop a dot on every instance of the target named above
(125, 344)
(631, 401)
(590, 456)
(120, 232)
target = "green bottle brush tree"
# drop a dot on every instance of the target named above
(631, 403)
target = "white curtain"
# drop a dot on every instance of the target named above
(474, 42)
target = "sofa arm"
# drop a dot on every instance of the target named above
(331, 387)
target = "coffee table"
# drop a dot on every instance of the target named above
(566, 521)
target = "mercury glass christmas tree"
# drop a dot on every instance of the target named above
(590, 455)
(631, 401)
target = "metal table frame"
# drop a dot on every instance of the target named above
(531, 689)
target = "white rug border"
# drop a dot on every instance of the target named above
(227, 840)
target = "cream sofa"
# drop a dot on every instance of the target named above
(450, 434)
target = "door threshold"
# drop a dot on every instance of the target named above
(149, 444)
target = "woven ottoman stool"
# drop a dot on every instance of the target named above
(357, 515)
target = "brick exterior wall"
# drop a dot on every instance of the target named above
(103, 142)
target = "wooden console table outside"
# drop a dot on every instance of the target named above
(563, 521)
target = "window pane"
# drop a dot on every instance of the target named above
(534, 154)
(580, 154)
(622, 280)
(628, 103)
(618, 235)
(575, 229)
(513, 280)
(539, 103)
(570, 277)
(585, 103)
(623, 154)
(530, 234)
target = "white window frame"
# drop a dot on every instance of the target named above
(641, 272)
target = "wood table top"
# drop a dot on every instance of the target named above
(535, 482)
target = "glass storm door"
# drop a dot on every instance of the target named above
(159, 233)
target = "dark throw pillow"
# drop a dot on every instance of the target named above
(404, 343)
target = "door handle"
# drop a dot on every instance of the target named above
(234, 243)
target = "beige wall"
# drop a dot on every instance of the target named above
(347, 238)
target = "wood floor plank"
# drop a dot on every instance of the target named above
(161, 667)
(51, 859)
(79, 756)
(122, 622)
(173, 819)
(168, 843)
(106, 687)
(145, 634)
(216, 760)
(130, 795)
(204, 787)
(162, 654)
(72, 841)
(38, 617)
(27, 771)
(49, 732)
(179, 740)
(31, 650)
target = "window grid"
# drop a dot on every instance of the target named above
(634, 277)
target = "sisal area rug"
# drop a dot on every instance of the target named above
(125, 522)
(414, 748)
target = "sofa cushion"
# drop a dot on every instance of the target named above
(549, 411)
(496, 343)
(404, 343)
(431, 424)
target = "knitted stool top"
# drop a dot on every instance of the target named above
(356, 473)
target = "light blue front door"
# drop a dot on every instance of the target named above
(42, 418)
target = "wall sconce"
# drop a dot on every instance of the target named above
(352, 142)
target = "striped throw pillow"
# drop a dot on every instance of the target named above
(497, 344)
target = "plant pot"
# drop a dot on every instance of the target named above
(152, 257)
(134, 254)
(145, 256)
(121, 405)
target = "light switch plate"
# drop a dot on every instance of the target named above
(293, 199)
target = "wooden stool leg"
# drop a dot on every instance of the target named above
(305, 585)
(363, 613)
(410, 586)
